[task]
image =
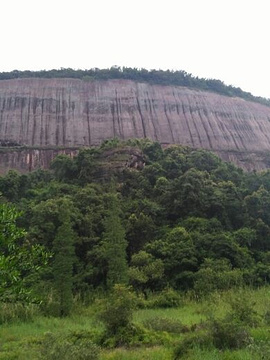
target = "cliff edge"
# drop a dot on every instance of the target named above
(70, 113)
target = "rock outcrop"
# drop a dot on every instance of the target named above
(73, 113)
(28, 159)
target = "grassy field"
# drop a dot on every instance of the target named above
(24, 340)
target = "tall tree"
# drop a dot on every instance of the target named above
(114, 245)
(64, 256)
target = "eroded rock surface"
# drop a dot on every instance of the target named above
(71, 112)
(25, 160)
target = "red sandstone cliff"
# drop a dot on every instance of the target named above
(71, 112)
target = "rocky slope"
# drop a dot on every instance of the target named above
(72, 113)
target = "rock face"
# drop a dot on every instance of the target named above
(72, 113)
(25, 160)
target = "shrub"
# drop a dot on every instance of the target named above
(216, 275)
(127, 336)
(228, 334)
(117, 310)
(165, 324)
(242, 310)
(267, 317)
(70, 347)
(261, 349)
(167, 298)
(117, 318)
(15, 312)
(188, 343)
(220, 333)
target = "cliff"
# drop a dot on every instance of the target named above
(67, 113)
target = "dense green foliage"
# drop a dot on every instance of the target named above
(20, 262)
(184, 237)
(185, 220)
(160, 77)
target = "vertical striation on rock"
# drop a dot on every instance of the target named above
(25, 160)
(74, 113)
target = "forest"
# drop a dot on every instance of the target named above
(159, 77)
(131, 228)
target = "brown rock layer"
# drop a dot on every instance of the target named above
(71, 112)
(25, 160)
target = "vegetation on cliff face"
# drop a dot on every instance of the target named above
(160, 77)
(183, 225)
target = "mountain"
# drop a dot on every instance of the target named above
(40, 117)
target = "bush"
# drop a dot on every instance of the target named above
(165, 324)
(188, 343)
(221, 334)
(242, 310)
(216, 275)
(129, 335)
(261, 349)
(117, 318)
(267, 317)
(117, 310)
(228, 334)
(167, 298)
(50, 304)
(16, 312)
(74, 346)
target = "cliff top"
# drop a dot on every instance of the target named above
(159, 77)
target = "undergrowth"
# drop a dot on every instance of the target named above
(225, 326)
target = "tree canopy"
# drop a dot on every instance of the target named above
(183, 217)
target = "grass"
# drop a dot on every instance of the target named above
(215, 354)
(156, 352)
(188, 315)
(22, 340)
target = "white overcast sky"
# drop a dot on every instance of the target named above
(221, 39)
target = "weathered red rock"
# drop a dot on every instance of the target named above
(72, 112)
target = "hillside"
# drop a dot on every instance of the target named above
(58, 114)
(133, 228)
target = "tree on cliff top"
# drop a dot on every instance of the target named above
(160, 77)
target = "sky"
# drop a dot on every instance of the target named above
(219, 39)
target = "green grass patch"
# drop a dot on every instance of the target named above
(24, 340)
(156, 353)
